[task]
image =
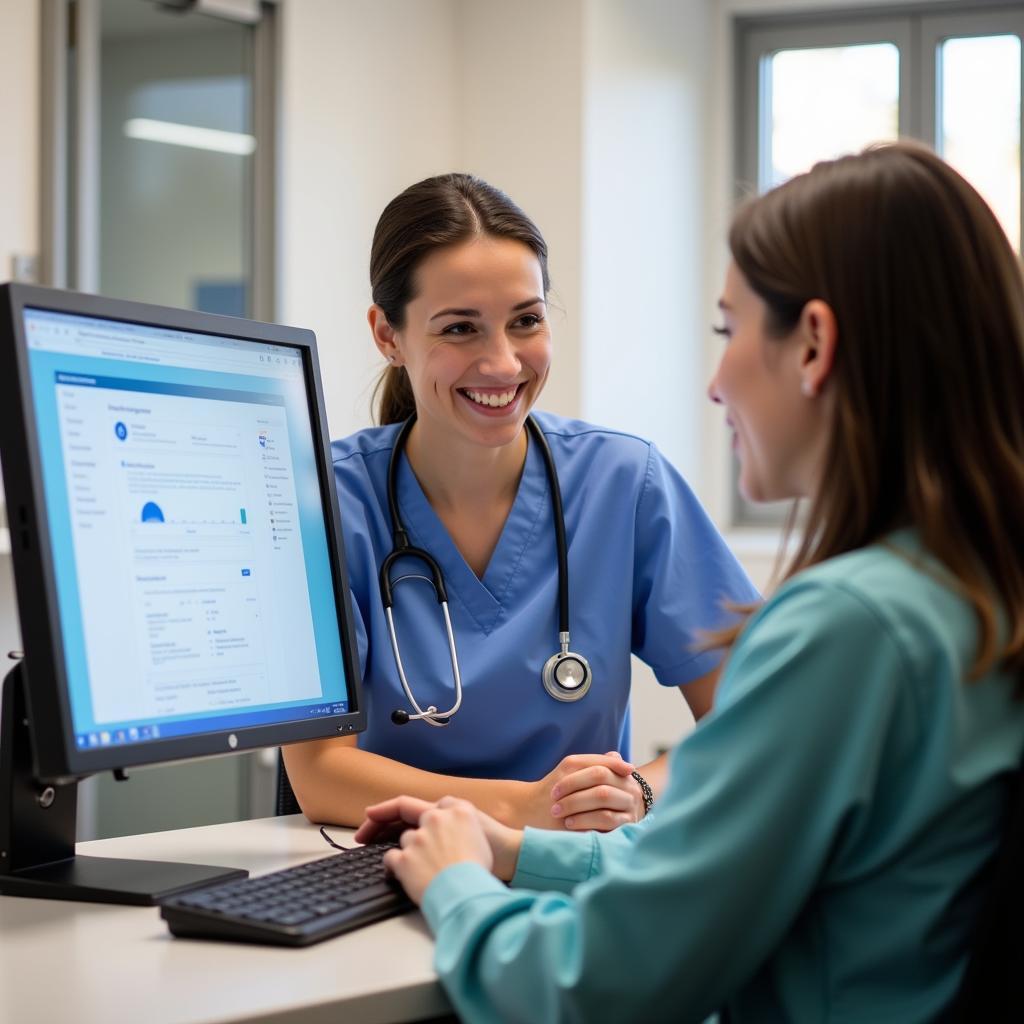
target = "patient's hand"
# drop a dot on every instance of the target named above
(435, 835)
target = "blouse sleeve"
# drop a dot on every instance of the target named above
(683, 577)
(687, 911)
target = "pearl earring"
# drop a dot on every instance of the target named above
(807, 388)
(391, 359)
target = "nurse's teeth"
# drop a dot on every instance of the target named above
(494, 401)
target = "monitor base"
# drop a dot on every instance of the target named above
(113, 880)
(37, 833)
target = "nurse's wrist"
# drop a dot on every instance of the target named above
(533, 805)
(513, 804)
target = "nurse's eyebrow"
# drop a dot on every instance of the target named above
(456, 312)
(723, 305)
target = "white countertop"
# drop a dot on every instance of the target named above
(93, 963)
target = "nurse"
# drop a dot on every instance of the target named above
(460, 283)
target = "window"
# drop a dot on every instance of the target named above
(812, 88)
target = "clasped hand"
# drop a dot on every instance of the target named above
(586, 792)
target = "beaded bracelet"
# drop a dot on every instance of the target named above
(645, 791)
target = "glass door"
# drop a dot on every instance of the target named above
(177, 149)
(160, 163)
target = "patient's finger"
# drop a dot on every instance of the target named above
(399, 811)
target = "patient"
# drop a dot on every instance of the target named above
(817, 852)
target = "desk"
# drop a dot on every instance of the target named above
(94, 963)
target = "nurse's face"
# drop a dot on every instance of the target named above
(476, 342)
(773, 392)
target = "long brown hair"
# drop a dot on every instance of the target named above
(929, 370)
(430, 215)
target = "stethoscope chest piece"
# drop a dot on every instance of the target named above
(566, 675)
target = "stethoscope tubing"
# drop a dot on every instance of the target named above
(403, 549)
(430, 715)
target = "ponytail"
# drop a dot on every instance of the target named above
(393, 396)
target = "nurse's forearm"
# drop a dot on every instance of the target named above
(335, 781)
(700, 693)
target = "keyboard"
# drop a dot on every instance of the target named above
(294, 907)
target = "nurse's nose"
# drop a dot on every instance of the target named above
(500, 358)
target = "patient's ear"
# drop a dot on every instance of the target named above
(818, 333)
(385, 337)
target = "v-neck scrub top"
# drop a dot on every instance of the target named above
(647, 572)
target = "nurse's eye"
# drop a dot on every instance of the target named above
(529, 320)
(721, 331)
(459, 329)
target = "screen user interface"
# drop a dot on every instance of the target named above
(187, 527)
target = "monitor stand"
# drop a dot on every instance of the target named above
(37, 832)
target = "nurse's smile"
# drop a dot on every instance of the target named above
(494, 401)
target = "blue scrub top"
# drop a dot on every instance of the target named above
(647, 572)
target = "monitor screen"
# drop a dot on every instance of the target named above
(188, 530)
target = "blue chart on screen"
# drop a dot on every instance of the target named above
(152, 513)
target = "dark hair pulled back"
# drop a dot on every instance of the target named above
(430, 215)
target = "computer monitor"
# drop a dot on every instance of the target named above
(178, 560)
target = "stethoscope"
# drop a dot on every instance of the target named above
(566, 675)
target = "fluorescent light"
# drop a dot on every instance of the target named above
(188, 135)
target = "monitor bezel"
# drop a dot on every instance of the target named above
(56, 754)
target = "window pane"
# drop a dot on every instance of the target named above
(825, 102)
(979, 133)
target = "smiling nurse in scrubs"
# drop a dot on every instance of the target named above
(460, 284)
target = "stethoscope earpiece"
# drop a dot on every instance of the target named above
(566, 676)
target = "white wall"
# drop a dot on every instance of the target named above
(520, 106)
(368, 106)
(645, 67)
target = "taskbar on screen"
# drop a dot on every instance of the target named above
(120, 735)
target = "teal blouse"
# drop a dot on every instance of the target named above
(812, 856)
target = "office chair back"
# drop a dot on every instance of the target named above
(992, 989)
(286, 802)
